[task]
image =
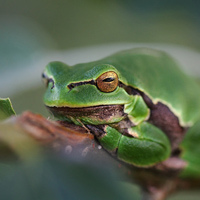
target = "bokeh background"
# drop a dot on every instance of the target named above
(34, 32)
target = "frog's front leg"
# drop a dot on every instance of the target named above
(141, 143)
(148, 146)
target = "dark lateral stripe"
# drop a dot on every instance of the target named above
(73, 85)
(92, 82)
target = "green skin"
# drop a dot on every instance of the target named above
(152, 72)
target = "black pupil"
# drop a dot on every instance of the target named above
(108, 79)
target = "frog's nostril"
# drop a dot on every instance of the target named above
(47, 80)
(51, 81)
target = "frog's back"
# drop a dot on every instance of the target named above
(158, 75)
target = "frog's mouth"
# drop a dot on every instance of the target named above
(92, 115)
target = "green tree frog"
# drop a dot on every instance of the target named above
(138, 103)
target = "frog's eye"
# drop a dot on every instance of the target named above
(107, 82)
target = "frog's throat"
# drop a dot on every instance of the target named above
(101, 114)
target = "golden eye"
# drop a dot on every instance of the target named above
(107, 82)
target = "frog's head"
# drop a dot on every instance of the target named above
(91, 92)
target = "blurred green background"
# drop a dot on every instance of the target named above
(31, 30)
(88, 22)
